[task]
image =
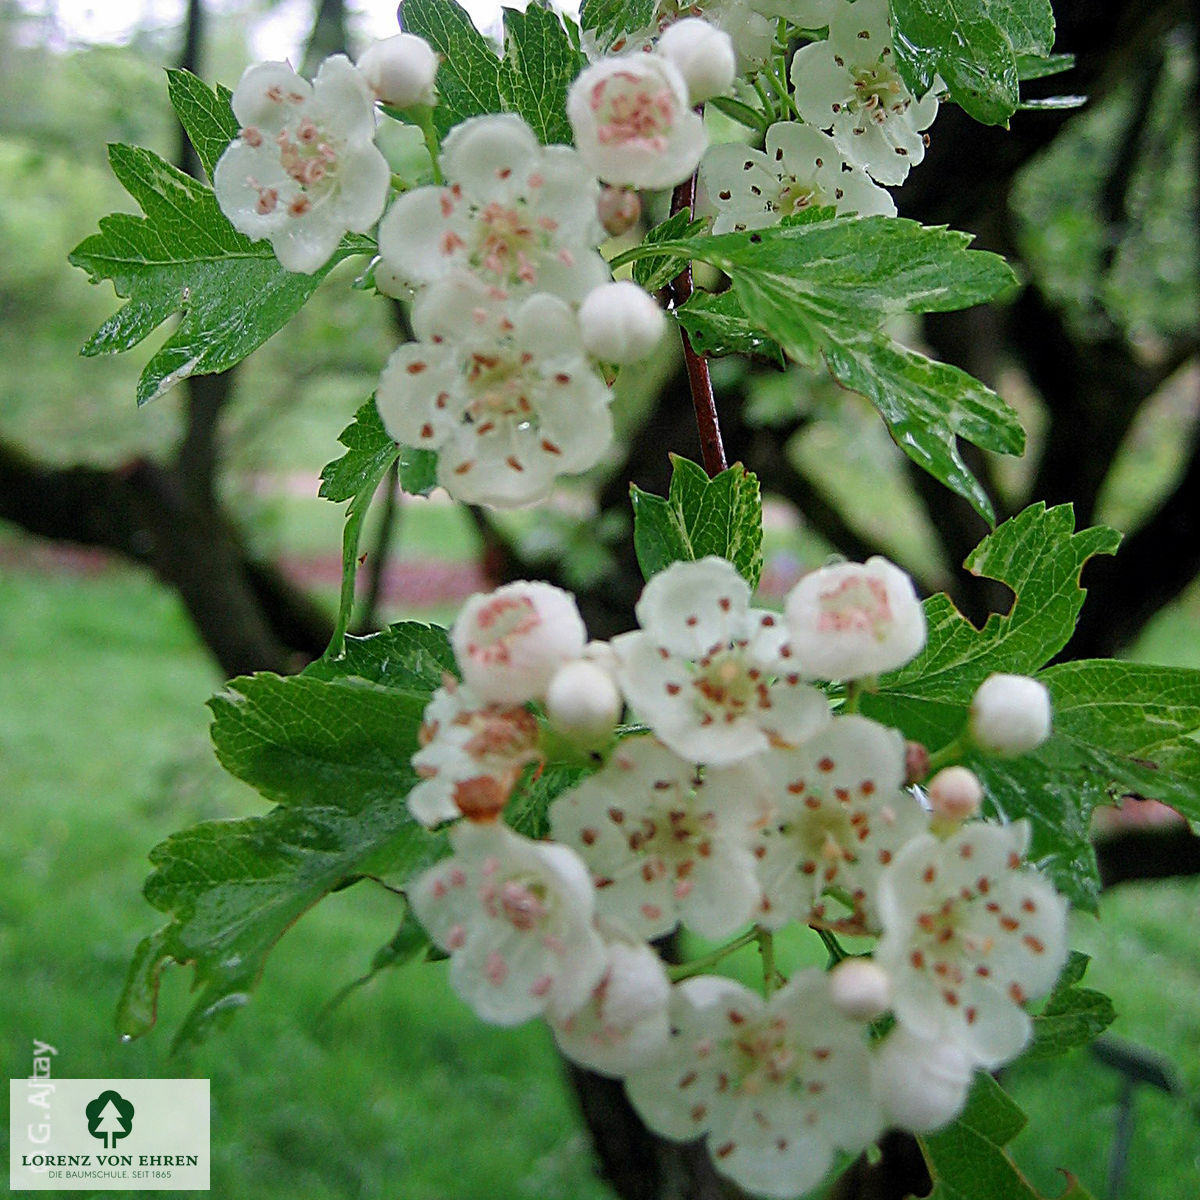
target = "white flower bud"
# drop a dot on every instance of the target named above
(920, 1084)
(955, 794)
(860, 989)
(510, 642)
(1010, 715)
(400, 70)
(582, 701)
(702, 54)
(620, 323)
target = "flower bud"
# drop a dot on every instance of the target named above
(916, 762)
(400, 70)
(702, 54)
(920, 1084)
(1010, 715)
(510, 642)
(620, 323)
(955, 794)
(619, 209)
(860, 989)
(582, 701)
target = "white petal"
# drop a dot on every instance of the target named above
(341, 101)
(267, 95)
(490, 156)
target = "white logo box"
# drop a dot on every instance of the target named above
(163, 1144)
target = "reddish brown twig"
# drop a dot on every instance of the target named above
(712, 451)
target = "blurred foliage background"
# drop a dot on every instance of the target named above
(132, 543)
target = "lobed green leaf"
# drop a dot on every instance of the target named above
(333, 752)
(698, 517)
(977, 48)
(1072, 1016)
(183, 257)
(822, 288)
(608, 19)
(967, 1160)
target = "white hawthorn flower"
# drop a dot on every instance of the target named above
(515, 916)
(519, 215)
(304, 169)
(625, 1022)
(401, 70)
(505, 394)
(970, 934)
(663, 846)
(851, 620)
(777, 1085)
(510, 642)
(472, 754)
(835, 814)
(703, 55)
(921, 1084)
(1010, 715)
(621, 323)
(801, 168)
(633, 123)
(710, 675)
(850, 84)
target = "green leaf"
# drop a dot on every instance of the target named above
(973, 46)
(656, 272)
(822, 289)
(184, 257)
(468, 78)
(540, 63)
(716, 325)
(205, 115)
(526, 810)
(369, 452)
(334, 755)
(967, 1160)
(409, 656)
(698, 517)
(1039, 556)
(607, 19)
(1072, 1016)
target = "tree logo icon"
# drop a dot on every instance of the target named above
(109, 1117)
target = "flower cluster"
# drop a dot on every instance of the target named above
(745, 803)
(514, 310)
(858, 125)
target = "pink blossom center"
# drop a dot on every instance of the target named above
(632, 112)
(856, 605)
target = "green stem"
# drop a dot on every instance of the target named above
(836, 952)
(699, 965)
(423, 119)
(766, 947)
(951, 753)
(854, 691)
(768, 102)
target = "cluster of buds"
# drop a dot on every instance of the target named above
(744, 802)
